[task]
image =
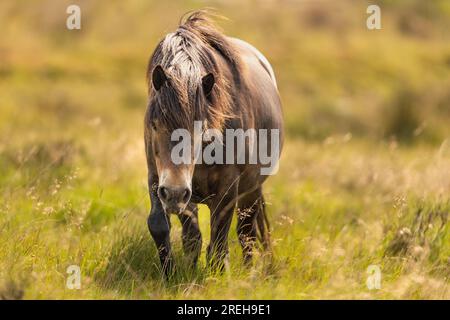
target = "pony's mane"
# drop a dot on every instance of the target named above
(187, 55)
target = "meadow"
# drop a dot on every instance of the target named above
(364, 177)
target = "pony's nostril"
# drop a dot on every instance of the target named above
(186, 195)
(163, 193)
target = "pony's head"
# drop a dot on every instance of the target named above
(187, 86)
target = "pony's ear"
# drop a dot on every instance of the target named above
(158, 77)
(208, 83)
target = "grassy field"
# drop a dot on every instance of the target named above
(364, 177)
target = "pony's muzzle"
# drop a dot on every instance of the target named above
(174, 199)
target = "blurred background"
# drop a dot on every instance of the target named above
(335, 75)
(367, 154)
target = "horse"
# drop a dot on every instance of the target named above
(199, 75)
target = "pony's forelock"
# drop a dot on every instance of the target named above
(186, 56)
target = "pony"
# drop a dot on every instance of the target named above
(199, 75)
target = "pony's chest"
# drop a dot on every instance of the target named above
(205, 183)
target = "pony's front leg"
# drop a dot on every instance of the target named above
(159, 226)
(222, 208)
(191, 235)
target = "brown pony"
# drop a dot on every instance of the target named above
(199, 74)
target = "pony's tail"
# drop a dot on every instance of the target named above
(263, 227)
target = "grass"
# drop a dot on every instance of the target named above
(364, 177)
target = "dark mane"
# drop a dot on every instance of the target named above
(187, 55)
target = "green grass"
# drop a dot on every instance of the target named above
(364, 176)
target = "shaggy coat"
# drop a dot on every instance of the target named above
(198, 74)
